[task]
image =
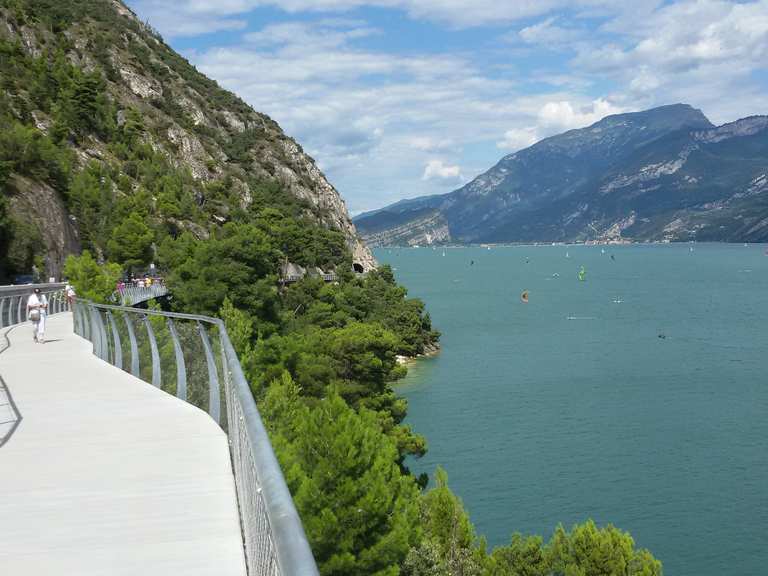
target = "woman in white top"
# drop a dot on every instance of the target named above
(37, 304)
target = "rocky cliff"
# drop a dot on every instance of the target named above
(146, 92)
(662, 174)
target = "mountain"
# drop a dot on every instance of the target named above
(661, 174)
(99, 118)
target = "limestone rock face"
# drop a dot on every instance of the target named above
(141, 85)
(40, 205)
(430, 229)
(316, 189)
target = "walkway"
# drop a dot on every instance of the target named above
(106, 474)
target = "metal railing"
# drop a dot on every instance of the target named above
(192, 358)
(134, 294)
(13, 301)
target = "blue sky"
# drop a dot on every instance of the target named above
(400, 98)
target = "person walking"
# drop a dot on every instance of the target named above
(70, 292)
(37, 304)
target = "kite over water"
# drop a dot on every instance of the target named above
(524, 297)
(582, 274)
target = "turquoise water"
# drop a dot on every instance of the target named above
(541, 419)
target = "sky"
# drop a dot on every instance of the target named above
(403, 98)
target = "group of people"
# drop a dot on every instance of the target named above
(145, 282)
(37, 310)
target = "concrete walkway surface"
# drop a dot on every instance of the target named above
(105, 474)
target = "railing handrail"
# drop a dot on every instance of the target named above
(293, 551)
(19, 288)
(179, 315)
(13, 301)
(129, 295)
(294, 555)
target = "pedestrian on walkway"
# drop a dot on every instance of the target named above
(70, 292)
(37, 304)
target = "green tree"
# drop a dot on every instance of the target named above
(131, 242)
(524, 556)
(133, 127)
(588, 550)
(90, 199)
(376, 298)
(449, 546)
(27, 151)
(360, 513)
(92, 281)
(25, 245)
(6, 233)
(238, 261)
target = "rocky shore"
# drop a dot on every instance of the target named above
(429, 350)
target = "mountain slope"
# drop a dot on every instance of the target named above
(87, 83)
(666, 173)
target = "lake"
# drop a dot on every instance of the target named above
(638, 396)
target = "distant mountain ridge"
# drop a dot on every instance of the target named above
(662, 174)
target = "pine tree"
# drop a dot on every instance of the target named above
(131, 242)
(360, 512)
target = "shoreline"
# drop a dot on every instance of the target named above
(566, 244)
(429, 352)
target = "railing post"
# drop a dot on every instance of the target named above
(2, 306)
(96, 331)
(181, 368)
(18, 316)
(103, 336)
(214, 393)
(81, 314)
(93, 331)
(118, 354)
(156, 370)
(86, 319)
(78, 322)
(134, 346)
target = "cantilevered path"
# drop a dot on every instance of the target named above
(105, 474)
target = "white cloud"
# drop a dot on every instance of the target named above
(705, 49)
(455, 13)
(548, 34)
(563, 115)
(427, 144)
(311, 36)
(184, 19)
(518, 138)
(438, 170)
